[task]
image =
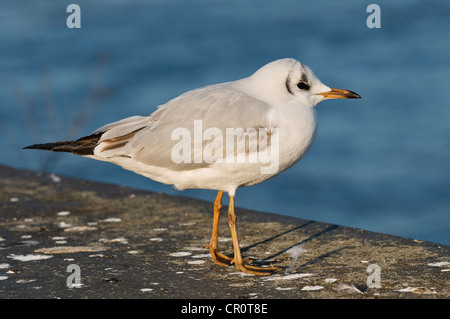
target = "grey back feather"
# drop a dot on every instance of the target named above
(219, 106)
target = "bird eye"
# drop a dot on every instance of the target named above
(303, 86)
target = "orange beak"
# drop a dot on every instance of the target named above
(340, 94)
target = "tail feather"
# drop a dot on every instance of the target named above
(82, 146)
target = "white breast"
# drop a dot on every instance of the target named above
(297, 133)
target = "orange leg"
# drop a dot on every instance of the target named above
(237, 260)
(217, 257)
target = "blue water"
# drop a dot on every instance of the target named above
(381, 163)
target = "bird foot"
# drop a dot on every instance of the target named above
(256, 270)
(221, 259)
(224, 260)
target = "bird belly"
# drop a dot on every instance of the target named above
(288, 144)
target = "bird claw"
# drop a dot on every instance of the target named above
(224, 260)
(256, 270)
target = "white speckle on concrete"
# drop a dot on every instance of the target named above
(146, 289)
(64, 225)
(4, 266)
(156, 239)
(196, 262)
(68, 249)
(29, 242)
(418, 290)
(76, 285)
(24, 281)
(312, 288)
(3, 277)
(160, 229)
(13, 271)
(288, 277)
(195, 248)
(241, 274)
(121, 240)
(29, 257)
(187, 224)
(439, 264)
(181, 254)
(111, 220)
(201, 256)
(25, 236)
(330, 280)
(63, 213)
(14, 199)
(79, 229)
(60, 240)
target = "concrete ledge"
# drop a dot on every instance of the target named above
(135, 244)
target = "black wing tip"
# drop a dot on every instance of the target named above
(82, 146)
(38, 147)
(55, 147)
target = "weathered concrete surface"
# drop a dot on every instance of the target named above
(135, 244)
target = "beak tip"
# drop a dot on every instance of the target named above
(340, 94)
(350, 94)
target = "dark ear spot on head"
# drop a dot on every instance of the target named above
(304, 72)
(288, 85)
(304, 78)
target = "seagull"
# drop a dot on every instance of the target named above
(218, 137)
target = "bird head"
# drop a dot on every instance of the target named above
(289, 78)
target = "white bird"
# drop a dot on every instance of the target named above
(218, 137)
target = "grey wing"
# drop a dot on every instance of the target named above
(157, 139)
